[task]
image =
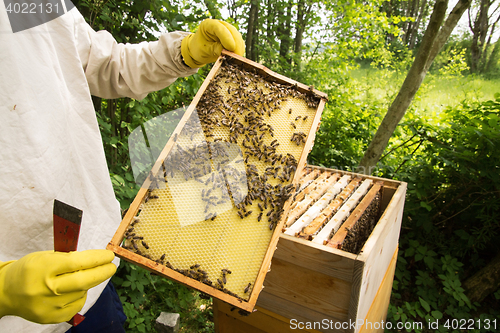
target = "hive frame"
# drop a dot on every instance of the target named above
(114, 244)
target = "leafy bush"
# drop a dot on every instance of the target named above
(451, 222)
(144, 296)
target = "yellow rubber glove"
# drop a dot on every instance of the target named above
(51, 287)
(206, 45)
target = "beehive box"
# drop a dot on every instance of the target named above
(210, 211)
(315, 284)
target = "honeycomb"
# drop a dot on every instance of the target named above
(211, 210)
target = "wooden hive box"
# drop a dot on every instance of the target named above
(314, 284)
(209, 213)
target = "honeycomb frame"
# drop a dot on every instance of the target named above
(263, 259)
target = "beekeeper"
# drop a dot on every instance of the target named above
(51, 148)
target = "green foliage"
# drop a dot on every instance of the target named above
(451, 221)
(144, 296)
(347, 125)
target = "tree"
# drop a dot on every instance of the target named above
(483, 25)
(434, 38)
(252, 25)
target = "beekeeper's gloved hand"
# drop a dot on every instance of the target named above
(51, 287)
(206, 44)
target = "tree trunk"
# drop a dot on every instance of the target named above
(251, 31)
(284, 32)
(377, 146)
(493, 57)
(412, 7)
(408, 90)
(414, 33)
(484, 282)
(300, 26)
(445, 31)
(479, 32)
(232, 9)
(270, 21)
(485, 57)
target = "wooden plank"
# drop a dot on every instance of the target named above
(318, 206)
(229, 324)
(326, 214)
(343, 213)
(173, 275)
(288, 310)
(338, 239)
(277, 77)
(306, 294)
(387, 182)
(378, 309)
(261, 320)
(378, 250)
(309, 199)
(308, 175)
(309, 188)
(314, 257)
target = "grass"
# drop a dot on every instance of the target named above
(436, 93)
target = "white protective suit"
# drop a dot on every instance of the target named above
(50, 145)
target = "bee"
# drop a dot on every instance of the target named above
(145, 245)
(204, 296)
(305, 118)
(194, 266)
(240, 214)
(162, 257)
(224, 280)
(259, 217)
(247, 288)
(243, 313)
(220, 282)
(226, 271)
(290, 111)
(297, 118)
(293, 125)
(175, 137)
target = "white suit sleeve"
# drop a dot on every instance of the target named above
(129, 70)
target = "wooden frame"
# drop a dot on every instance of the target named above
(265, 320)
(310, 282)
(114, 244)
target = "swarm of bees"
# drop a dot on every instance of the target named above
(357, 236)
(233, 124)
